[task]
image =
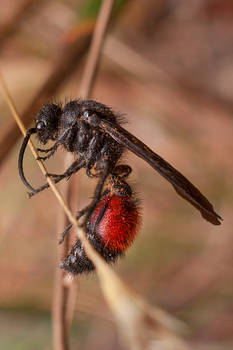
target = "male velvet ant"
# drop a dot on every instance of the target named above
(92, 132)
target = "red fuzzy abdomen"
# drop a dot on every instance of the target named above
(119, 223)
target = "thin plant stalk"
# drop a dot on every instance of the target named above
(65, 293)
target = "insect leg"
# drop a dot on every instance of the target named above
(44, 150)
(73, 168)
(119, 173)
(53, 149)
(87, 211)
(68, 227)
(80, 214)
(96, 196)
(122, 170)
(50, 152)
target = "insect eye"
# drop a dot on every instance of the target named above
(40, 126)
(86, 114)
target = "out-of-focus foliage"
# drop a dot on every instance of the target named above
(89, 9)
(176, 93)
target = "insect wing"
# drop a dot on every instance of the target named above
(182, 185)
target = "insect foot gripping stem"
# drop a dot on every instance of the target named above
(111, 230)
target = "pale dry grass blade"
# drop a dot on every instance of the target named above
(65, 294)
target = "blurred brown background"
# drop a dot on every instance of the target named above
(168, 66)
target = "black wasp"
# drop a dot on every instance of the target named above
(93, 132)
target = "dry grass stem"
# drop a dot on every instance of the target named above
(65, 295)
(95, 49)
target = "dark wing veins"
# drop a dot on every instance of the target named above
(182, 185)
